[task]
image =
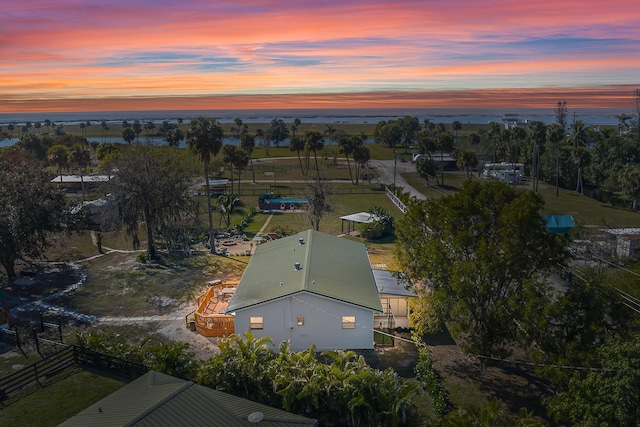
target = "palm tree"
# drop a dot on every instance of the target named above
(346, 145)
(537, 135)
(456, 126)
(265, 141)
(128, 135)
(204, 138)
(248, 142)
(629, 180)
(555, 136)
(578, 140)
(229, 204)
(444, 142)
(467, 160)
(240, 162)
(494, 134)
(297, 144)
(173, 137)
(80, 156)
(314, 143)
(361, 156)
(59, 155)
(229, 153)
(278, 131)
(295, 125)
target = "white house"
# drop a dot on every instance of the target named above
(309, 288)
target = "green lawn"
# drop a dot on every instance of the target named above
(58, 400)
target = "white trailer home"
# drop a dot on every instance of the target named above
(309, 288)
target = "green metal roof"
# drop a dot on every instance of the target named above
(159, 400)
(330, 266)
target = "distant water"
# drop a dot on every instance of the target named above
(591, 116)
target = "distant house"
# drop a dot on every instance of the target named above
(623, 242)
(157, 399)
(309, 288)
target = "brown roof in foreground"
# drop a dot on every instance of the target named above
(159, 400)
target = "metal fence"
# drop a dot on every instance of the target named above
(65, 360)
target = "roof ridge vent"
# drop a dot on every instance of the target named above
(296, 265)
(301, 240)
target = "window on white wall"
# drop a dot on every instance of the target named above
(256, 322)
(300, 320)
(348, 322)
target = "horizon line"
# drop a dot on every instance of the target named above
(612, 96)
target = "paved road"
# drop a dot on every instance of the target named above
(386, 169)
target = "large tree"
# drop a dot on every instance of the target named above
(629, 179)
(150, 185)
(32, 209)
(480, 253)
(204, 138)
(555, 136)
(578, 140)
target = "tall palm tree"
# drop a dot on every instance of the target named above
(248, 142)
(361, 156)
(555, 136)
(204, 138)
(494, 134)
(128, 135)
(315, 143)
(346, 145)
(59, 155)
(260, 134)
(537, 135)
(578, 140)
(79, 157)
(297, 144)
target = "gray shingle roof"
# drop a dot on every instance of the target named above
(329, 266)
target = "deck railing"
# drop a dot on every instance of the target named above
(213, 324)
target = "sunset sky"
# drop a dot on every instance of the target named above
(89, 55)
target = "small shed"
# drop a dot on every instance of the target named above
(357, 218)
(559, 223)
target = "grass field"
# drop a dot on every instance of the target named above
(58, 400)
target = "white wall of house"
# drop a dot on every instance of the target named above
(321, 318)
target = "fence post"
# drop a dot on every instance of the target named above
(35, 338)
(60, 328)
(15, 331)
(41, 323)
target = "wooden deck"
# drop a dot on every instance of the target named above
(210, 317)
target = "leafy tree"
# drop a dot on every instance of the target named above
(37, 144)
(204, 138)
(31, 210)
(629, 179)
(173, 137)
(493, 414)
(481, 252)
(150, 185)
(317, 195)
(495, 134)
(380, 226)
(426, 167)
(606, 395)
